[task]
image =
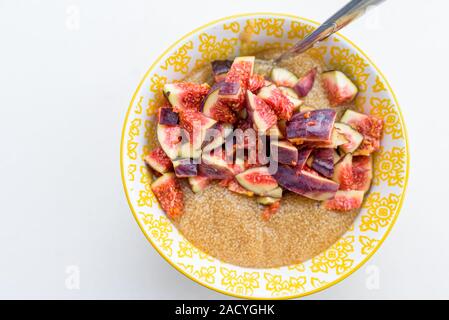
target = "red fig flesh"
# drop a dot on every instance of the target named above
(158, 161)
(260, 113)
(305, 84)
(339, 87)
(345, 201)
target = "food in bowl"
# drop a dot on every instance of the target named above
(263, 167)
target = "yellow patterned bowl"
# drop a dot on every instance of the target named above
(219, 39)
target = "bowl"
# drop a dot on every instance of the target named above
(218, 40)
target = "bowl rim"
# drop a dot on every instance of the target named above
(406, 142)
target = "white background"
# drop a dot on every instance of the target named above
(68, 70)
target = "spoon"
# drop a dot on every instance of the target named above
(340, 19)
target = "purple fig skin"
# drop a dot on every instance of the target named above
(214, 172)
(230, 90)
(220, 68)
(286, 153)
(303, 155)
(313, 125)
(305, 84)
(306, 184)
(185, 168)
(167, 116)
(323, 161)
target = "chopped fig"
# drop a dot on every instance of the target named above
(275, 193)
(198, 183)
(256, 82)
(282, 125)
(362, 170)
(345, 200)
(257, 180)
(169, 138)
(241, 70)
(167, 116)
(221, 132)
(303, 156)
(283, 77)
(260, 113)
(271, 210)
(370, 127)
(353, 138)
(337, 140)
(185, 168)
(185, 95)
(168, 191)
(306, 183)
(190, 150)
(323, 161)
(339, 87)
(307, 108)
(283, 152)
(214, 166)
(196, 124)
(158, 161)
(275, 132)
(305, 84)
(234, 186)
(343, 174)
(313, 126)
(230, 92)
(220, 69)
(216, 109)
(336, 156)
(280, 104)
(266, 200)
(292, 96)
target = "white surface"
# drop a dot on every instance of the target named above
(67, 73)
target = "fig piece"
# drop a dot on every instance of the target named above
(362, 170)
(185, 168)
(323, 161)
(339, 88)
(370, 127)
(337, 157)
(353, 137)
(158, 161)
(283, 152)
(220, 69)
(314, 126)
(303, 157)
(220, 132)
(198, 183)
(292, 96)
(166, 116)
(169, 138)
(266, 200)
(280, 104)
(345, 200)
(214, 166)
(275, 193)
(305, 84)
(271, 210)
(230, 92)
(257, 180)
(343, 172)
(168, 192)
(234, 186)
(185, 95)
(306, 183)
(283, 77)
(216, 109)
(196, 124)
(256, 81)
(274, 131)
(337, 140)
(260, 113)
(190, 150)
(241, 70)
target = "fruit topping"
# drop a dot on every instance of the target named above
(260, 113)
(323, 161)
(234, 186)
(214, 166)
(345, 200)
(198, 183)
(184, 95)
(283, 152)
(339, 87)
(216, 136)
(231, 92)
(353, 137)
(306, 183)
(271, 210)
(167, 116)
(316, 125)
(305, 84)
(216, 109)
(169, 138)
(275, 193)
(266, 200)
(256, 82)
(362, 170)
(303, 156)
(168, 191)
(196, 124)
(280, 104)
(220, 69)
(283, 77)
(292, 96)
(185, 168)
(370, 127)
(158, 161)
(343, 172)
(257, 180)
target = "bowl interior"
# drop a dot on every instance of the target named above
(219, 40)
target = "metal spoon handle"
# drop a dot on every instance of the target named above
(343, 17)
